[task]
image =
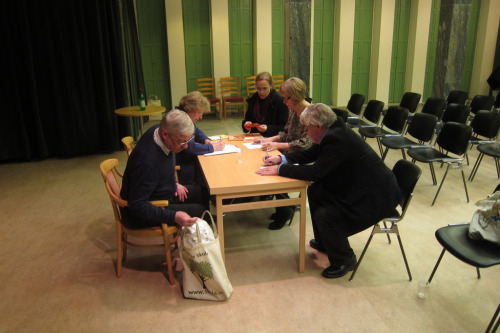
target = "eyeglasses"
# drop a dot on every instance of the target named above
(263, 89)
(183, 143)
(286, 99)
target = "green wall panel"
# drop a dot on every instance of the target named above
(323, 51)
(363, 22)
(399, 50)
(196, 18)
(154, 53)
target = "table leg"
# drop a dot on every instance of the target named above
(302, 232)
(220, 225)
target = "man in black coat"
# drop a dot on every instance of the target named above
(352, 188)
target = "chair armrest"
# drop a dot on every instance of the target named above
(159, 203)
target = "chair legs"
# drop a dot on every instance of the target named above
(476, 166)
(393, 229)
(168, 253)
(439, 261)
(442, 181)
(496, 317)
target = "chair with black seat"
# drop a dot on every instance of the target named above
(371, 115)
(454, 139)
(481, 102)
(485, 127)
(421, 128)
(410, 101)
(496, 105)
(478, 253)
(490, 149)
(407, 175)
(458, 113)
(167, 234)
(434, 106)
(457, 97)
(393, 123)
(354, 106)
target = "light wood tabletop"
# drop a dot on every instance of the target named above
(233, 176)
(133, 111)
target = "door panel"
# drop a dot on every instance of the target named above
(363, 22)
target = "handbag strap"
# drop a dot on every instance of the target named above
(214, 228)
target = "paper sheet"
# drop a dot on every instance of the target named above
(228, 149)
(251, 145)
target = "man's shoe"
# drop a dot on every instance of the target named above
(315, 245)
(338, 271)
(282, 216)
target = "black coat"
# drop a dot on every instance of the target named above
(276, 116)
(355, 186)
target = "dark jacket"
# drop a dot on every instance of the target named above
(276, 116)
(355, 186)
(186, 159)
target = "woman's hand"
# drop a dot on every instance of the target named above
(181, 192)
(270, 146)
(247, 125)
(272, 159)
(262, 128)
(218, 145)
(269, 171)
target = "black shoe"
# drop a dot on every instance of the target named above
(315, 245)
(283, 214)
(338, 271)
(273, 216)
(277, 225)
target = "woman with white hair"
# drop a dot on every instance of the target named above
(352, 189)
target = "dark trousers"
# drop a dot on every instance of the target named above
(328, 232)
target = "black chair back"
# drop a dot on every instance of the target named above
(355, 104)
(457, 97)
(422, 126)
(458, 113)
(395, 118)
(342, 114)
(497, 101)
(373, 111)
(486, 123)
(410, 101)
(407, 175)
(435, 106)
(454, 137)
(481, 102)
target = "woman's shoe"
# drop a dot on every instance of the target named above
(283, 214)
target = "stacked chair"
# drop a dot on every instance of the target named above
(206, 86)
(457, 97)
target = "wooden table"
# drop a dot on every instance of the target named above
(133, 111)
(233, 176)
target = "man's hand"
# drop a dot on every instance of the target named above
(184, 220)
(269, 171)
(272, 159)
(262, 128)
(181, 192)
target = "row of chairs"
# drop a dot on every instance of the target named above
(230, 92)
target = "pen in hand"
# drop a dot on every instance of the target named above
(267, 153)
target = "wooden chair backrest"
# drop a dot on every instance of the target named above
(206, 86)
(230, 87)
(128, 142)
(250, 82)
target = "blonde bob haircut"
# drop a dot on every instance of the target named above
(295, 88)
(318, 114)
(177, 123)
(193, 102)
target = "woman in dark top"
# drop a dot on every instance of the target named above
(265, 108)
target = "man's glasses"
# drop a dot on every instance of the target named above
(183, 143)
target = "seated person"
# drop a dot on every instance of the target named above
(266, 108)
(150, 175)
(194, 104)
(292, 138)
(352, 189)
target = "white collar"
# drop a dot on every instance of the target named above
(159, 141)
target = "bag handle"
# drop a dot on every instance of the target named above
(214, 228)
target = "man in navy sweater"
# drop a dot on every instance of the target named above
(150, 175)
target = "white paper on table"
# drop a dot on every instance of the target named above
(252, 145)
(228, 149)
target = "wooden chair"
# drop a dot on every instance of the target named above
(206, 86)
(110, 174)
(250, 83)
(278, 81)
(230, 92)
(128, 142)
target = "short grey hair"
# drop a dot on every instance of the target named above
(177, 123)
(318, 114)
